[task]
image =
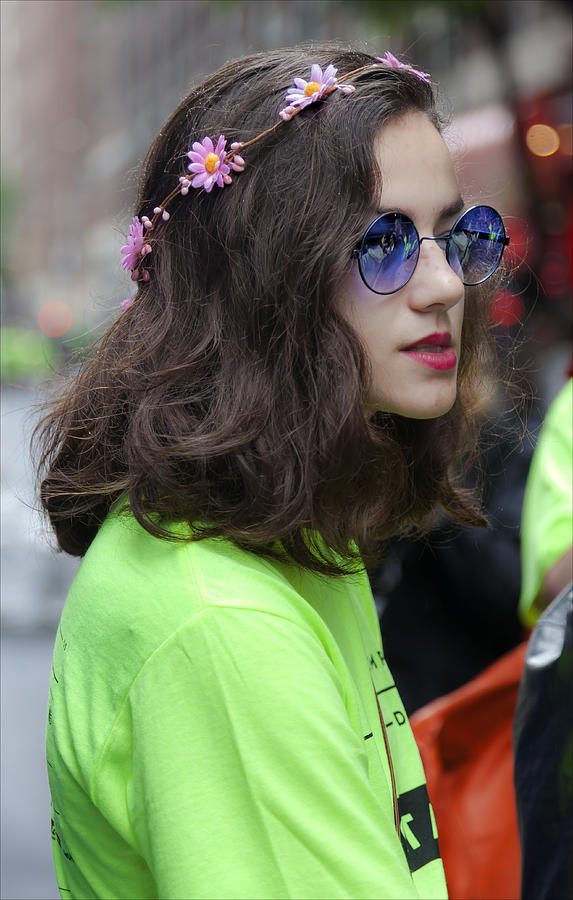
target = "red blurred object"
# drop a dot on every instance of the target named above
(522, 248)
(554, 275)
(465, 741)
(508, 309)
(55, 318)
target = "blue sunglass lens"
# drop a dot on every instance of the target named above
(389, 253)
(476, 244)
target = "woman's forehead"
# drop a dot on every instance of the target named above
(418, 175)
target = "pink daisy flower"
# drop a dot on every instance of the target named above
(208, 164)
(306, 92)
(390, 60)
(134, 246)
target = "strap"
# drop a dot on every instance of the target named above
(390, 764)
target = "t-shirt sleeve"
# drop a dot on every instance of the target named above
(547, 521)
(248, 778)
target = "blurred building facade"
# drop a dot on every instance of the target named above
(86, 85)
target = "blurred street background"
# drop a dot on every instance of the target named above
(86, 85)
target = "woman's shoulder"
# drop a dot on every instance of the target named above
(147, 588)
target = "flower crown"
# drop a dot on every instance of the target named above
(211, 164)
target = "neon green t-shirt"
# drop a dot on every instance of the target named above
(547, 516)
(213, 732)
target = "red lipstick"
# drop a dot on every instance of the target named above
(434, 351)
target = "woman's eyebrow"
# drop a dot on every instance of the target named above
(451, 210)
(446, 212)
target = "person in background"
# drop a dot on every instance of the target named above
(290, 384)
(547, 522)
(543, 725)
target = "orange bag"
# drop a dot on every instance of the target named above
(466, 746)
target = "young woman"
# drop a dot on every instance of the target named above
(293, 382)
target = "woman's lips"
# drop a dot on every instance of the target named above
(433, 351)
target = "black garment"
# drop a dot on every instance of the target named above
(448, 603)
(543, 748)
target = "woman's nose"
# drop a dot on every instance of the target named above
(434, 283)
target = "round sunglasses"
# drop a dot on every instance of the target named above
(389, 251)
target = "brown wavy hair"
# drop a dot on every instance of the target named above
(230, 395)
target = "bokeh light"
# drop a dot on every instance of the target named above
(55, 318)
(542, 140)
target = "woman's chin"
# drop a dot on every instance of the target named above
(430, 405)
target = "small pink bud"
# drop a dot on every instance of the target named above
(287, 113)
(236, 145)
(346, 88)
(135, 275)
(227, 179)
(165, 215)
(237, 163)
(145, 275)
(157, 210)
(125, 304)
(185, 190)
(145, 250)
